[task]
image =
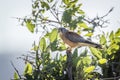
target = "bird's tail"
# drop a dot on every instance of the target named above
(92, 44)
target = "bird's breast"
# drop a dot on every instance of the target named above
(68, 42)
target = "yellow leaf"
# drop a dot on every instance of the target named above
(35, 48)
(96, 53)
(112, 49)
(102, 61)
(117, 33)
(30, 26)
(53, 35)
(89, 34)
(102, 39)
(28, 69)
(42, 44)
(89, 69)
(82, 24)
(16, 76)
(64, 58)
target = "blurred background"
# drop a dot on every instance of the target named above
(16, 40)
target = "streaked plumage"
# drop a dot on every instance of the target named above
(74, 40)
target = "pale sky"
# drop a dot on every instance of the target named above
(14, 37)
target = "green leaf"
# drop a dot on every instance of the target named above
(75, 57)
(87, 60)
(72, 4)
(42, 44)
(81, 11)
(53, 35)
(117, 33)
(89, 34)
(64, 58)
(45, 5)
(88, 29)
(67, 16)
(75, 53)
(50, 0)
(62, 47)
(96, 53)
(117, 39)
(30, 26)
(78, 62)
(47, 35)
(111, 36)
(80, 18)
(102, 39)
(54, 45)
(28, 69)
(82, 24)
(66, 2)
(80, 5)
(73, 24)
(84, 53)
(35, 48)
(16, 77)
(115, 46)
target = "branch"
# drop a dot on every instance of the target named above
(53, 21)
(108, 12)
(55, 11)
(53, 14)
(15, 69)
(69, 64)
(38, 20)
(26, 60)
(98, 21)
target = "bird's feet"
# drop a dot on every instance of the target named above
(69, 50)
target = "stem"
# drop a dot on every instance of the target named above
(15, 70)
(69, 64)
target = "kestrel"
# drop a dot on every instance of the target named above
(75, 40)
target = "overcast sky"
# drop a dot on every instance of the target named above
(14, 37)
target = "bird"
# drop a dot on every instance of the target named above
(74, 40)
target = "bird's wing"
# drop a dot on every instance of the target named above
(74, 37)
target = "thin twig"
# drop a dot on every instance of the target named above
(15, 69)
(31, 62)
(108, 12)
(53, 14)
(38, 20)
(98, 21)
(56, 13)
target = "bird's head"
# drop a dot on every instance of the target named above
(62, 30)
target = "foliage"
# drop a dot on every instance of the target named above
(41, 65)
(16, 76)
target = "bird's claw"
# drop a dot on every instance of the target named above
(69, 50)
